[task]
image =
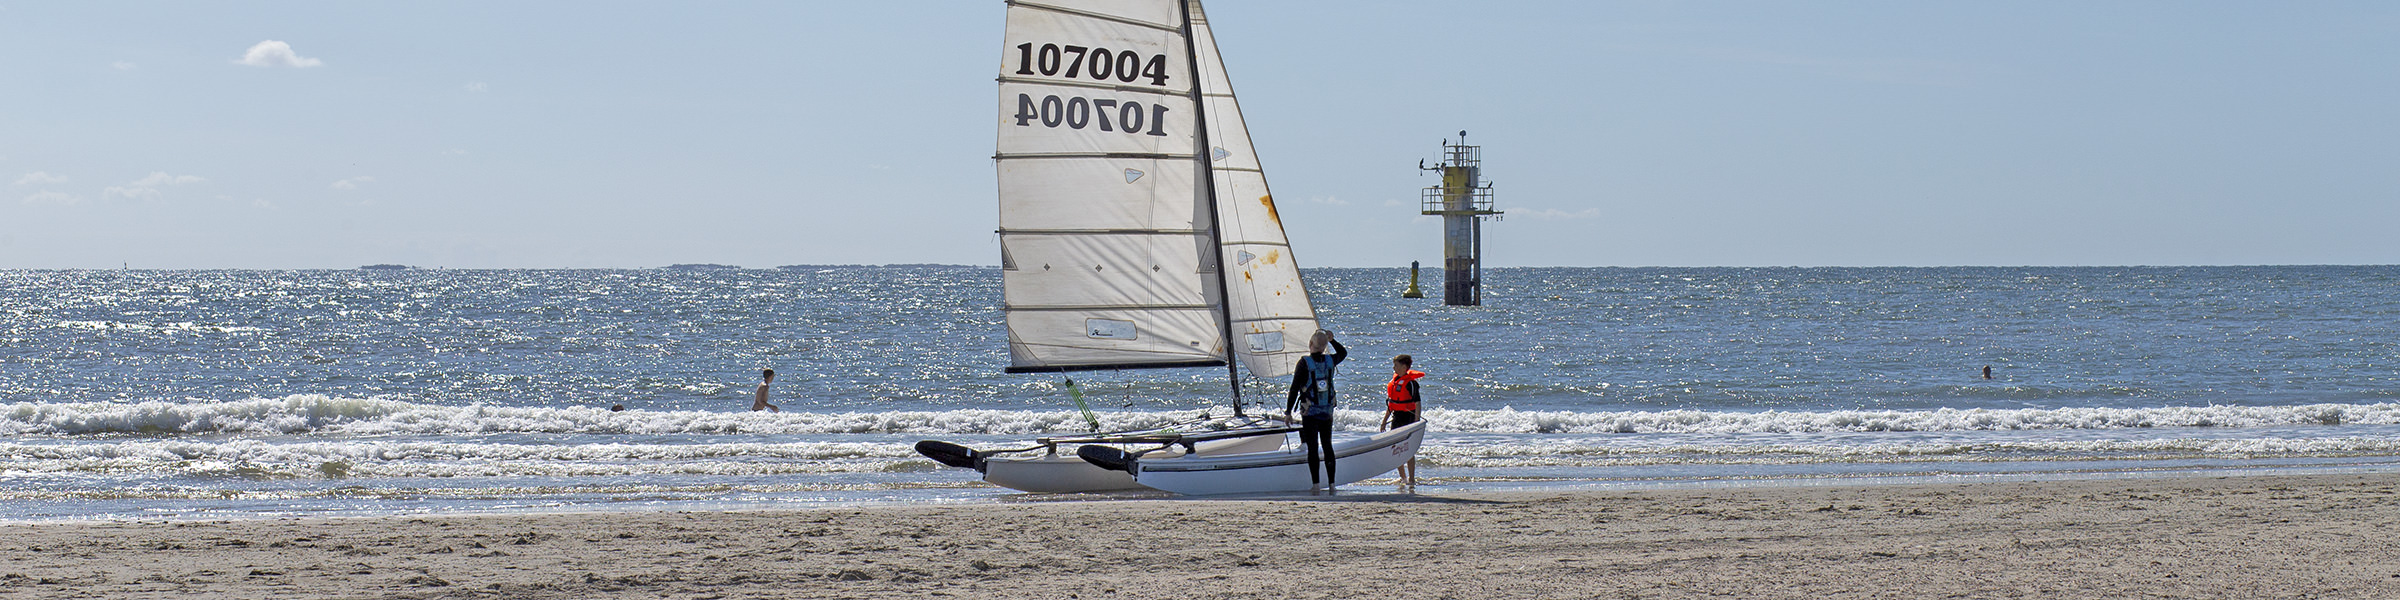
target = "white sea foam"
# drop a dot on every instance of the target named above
(319, 414)
(250, 458)
(1945, 419)
(383, 458)
(1615, 451)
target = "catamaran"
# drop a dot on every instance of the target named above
(1136, 232)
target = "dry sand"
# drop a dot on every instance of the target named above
(2309, 536)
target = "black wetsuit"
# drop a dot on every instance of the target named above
(1316, 421)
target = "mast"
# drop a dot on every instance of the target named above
(1208, 192)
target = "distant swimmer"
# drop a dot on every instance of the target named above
(616, 408)
(760, 403)
(1987, 371)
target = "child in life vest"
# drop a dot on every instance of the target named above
(1402, 403)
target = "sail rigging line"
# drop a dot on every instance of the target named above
(1216, 219)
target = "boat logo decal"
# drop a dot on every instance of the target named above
(1109, 329)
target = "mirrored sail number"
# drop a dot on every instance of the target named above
(1099, 64)
(1077, 112)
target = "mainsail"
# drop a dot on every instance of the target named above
(1124, 185)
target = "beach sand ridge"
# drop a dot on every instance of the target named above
(2279, 536)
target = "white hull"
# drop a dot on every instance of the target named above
(1055, 474)
(1064, 473)
(1282, 470)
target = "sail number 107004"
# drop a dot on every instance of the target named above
(1100, 64)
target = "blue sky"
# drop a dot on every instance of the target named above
(537, 134)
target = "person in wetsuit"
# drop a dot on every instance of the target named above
(1312, 381)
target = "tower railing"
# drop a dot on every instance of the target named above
(1478, 202)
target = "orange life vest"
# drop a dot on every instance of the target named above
(1396, 394)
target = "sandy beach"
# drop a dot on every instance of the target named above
(2283, 536)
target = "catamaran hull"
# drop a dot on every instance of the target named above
(1057, 474)
(1064, 473)
(1284, 470)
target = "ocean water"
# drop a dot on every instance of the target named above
(243, 394)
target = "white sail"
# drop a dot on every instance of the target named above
(1108, 248)
(1102, 238)
(1271, 315)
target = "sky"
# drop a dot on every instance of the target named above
(532, 134)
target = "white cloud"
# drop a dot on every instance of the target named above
(40, 178)
(159, 178)
(146, 188)
(1329, 200)
(130, 193)
(273, 53)
(53, 199)
(476, 86)
(352, 183)
(121, 66)
(1551, 214)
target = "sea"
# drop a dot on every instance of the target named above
(185, 395)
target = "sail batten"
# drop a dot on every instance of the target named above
(1118, 307)
(1127, 155)
(1113, 253)
(1085, 84)
(1117, 367)
(1100, 231)
(1095, 14)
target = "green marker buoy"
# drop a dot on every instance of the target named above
(1412, 292)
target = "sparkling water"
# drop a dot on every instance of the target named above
(215, 394)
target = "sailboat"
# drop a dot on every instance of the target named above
(1136, 231)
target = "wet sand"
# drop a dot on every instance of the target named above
(2307, 536)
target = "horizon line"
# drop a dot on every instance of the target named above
(725, 267)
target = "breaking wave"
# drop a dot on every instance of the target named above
(1945, 419)
(319, 414)
(379, 458)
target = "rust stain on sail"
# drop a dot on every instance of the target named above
(1269, 200)
(1273, 255)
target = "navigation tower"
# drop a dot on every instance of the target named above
(1463, 200)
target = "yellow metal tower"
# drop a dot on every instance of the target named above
(1463, 200)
